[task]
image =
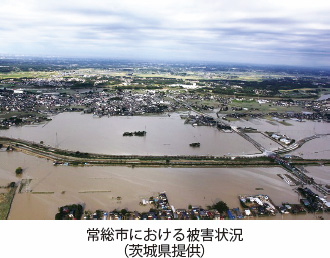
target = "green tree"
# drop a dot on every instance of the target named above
(123, 212)
(58, 216)
(11, 185)
(153, 210)
(99, 214)
(19, 171)
(221, 206)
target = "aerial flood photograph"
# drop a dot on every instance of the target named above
(173, 110)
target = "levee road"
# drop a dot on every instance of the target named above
(76, 158)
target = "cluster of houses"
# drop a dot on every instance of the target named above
(43, 82)
(312, 201)
(160, 209)
(98, 103)
(253, 206)
(282, 138)
(200, 120)
(42, 103)
(261, 205)
(126, 103)
(257, 205)
(298, 116)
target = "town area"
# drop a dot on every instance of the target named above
(160, 209)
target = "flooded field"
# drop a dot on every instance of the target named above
(296, 130)
(321, 174)
(99, 187)
(316, 149)
(165, 136)
(265, 142)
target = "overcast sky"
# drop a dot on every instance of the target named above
(246, 31)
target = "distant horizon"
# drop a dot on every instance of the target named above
(159, 61)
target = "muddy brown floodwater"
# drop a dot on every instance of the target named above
(99, 187)
(296, 130)
(165, 136)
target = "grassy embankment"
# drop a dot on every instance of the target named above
(6, 200)
(78, 158)
(82, 159)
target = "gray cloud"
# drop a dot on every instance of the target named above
(268, 21)
(88, 11)
(211, 30)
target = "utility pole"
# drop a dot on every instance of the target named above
(56, 141)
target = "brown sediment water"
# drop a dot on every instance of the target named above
(99, 187)
(297, 130)
(318, 148)
(321, 174)
(265, 141)
(165, 136)
(315, 149)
